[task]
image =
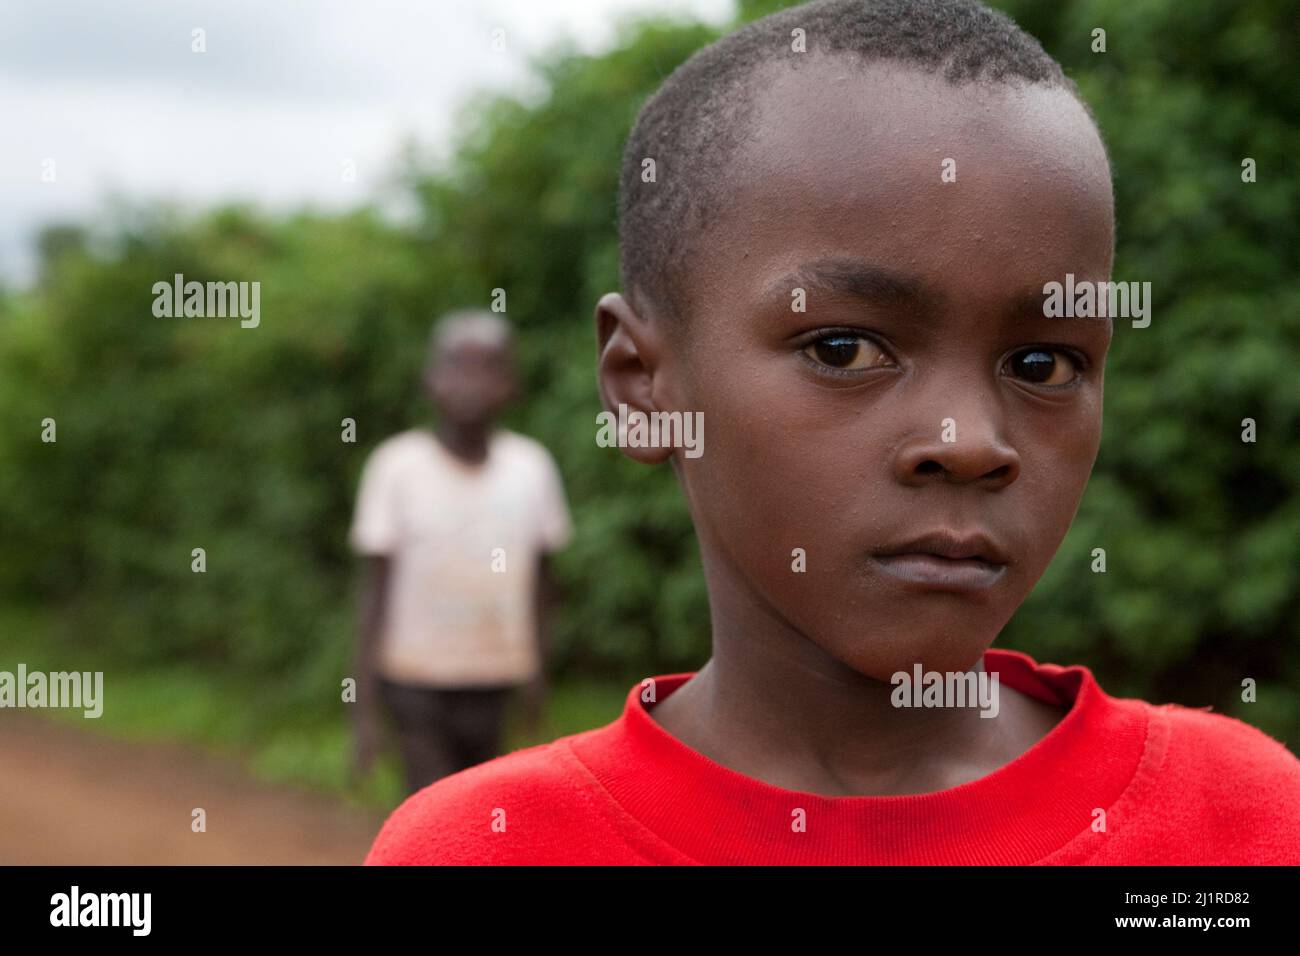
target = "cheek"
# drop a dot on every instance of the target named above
(1056, 465)
(779, 483)
(744, 476)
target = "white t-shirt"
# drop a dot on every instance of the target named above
(464, 541)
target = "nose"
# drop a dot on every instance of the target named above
(977, 453)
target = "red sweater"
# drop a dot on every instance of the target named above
(1178, 786)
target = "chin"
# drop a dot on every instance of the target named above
(957, 649)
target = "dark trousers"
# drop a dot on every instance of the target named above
(441, 731)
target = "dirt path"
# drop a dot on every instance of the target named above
(71, 797)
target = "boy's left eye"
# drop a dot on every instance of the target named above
(1043, 367)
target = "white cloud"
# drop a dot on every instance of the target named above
(286, 91)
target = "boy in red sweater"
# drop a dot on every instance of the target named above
(839, 228)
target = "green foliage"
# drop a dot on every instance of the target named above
(183, 433)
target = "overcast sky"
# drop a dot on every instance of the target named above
(286, 92)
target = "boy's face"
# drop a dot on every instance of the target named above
(470, 384)
(826, 428)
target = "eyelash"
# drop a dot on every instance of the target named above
(823, 334)
(1080, 360)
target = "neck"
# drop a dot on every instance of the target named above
(772, 705)
(467, 442)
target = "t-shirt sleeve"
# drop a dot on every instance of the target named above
(555, 527)
(374, 524)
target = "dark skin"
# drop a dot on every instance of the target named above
(469, 386)
(825, 428)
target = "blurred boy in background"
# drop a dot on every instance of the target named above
(455, 523)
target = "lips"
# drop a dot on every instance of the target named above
(945, 560)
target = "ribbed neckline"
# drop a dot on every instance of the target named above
(1020, 813)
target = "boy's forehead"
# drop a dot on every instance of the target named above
(834, 101)
(899, 166)
(841, 121)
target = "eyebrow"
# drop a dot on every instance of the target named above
(862, 280)
(1029, 305)
(870, 282)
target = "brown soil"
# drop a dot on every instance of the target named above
(72, 797)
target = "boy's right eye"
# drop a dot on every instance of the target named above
(846, 352)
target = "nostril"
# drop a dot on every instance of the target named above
(928, 467)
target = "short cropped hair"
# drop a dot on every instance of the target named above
(698, 119)
(468, 326)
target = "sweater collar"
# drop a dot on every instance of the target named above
(1020, 813)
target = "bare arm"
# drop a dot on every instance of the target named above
(374, 600)
(543, 604)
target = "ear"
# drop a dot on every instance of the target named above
(630, 352)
